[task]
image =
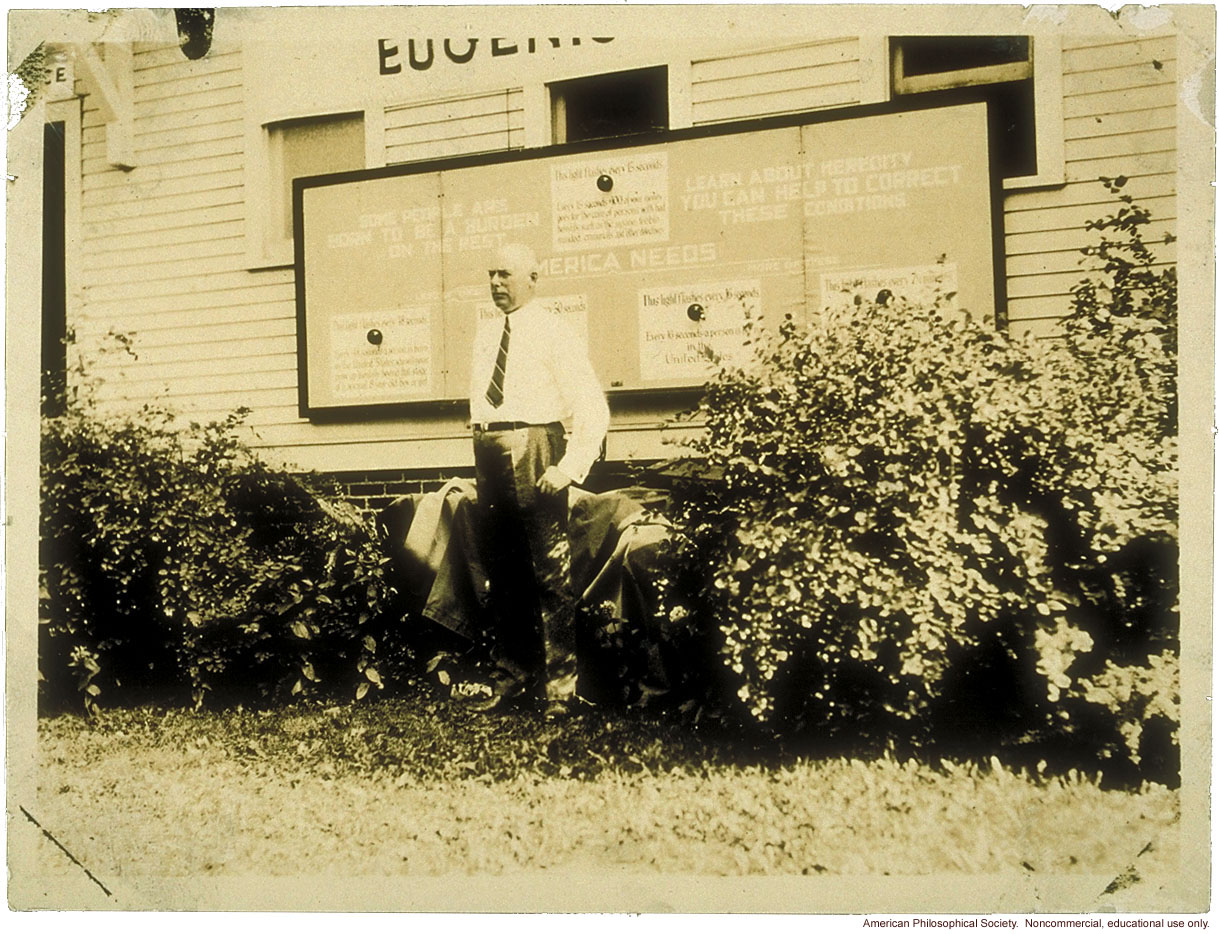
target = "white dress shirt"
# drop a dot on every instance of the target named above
(548, 379)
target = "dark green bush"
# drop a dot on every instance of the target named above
(921, 527)
(176, 563)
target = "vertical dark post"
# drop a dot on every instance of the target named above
(54, 287)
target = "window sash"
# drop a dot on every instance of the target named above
(963, 78)
(269, 196)
(1044, 67)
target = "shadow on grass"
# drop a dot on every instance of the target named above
(420, 736)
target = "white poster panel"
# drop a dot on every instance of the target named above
(377, 356)
(685, 329)
(619, 199)
(916, 284)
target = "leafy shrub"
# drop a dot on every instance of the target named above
(175, 561)
(1125, 283)
(921, 527)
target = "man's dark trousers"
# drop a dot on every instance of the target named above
(527, 555)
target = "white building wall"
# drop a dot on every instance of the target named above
(162, 247)
(1119, 118)
(164, 252)
(459, 126)
(764, 82)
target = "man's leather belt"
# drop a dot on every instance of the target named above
(508, 426)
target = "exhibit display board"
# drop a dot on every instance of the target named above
(657, 253)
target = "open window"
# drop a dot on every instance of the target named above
(1021, 81)
(621, 103)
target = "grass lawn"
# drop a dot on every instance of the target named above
(419, 786)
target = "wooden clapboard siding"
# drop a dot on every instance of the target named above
(265, 413)
(119, 246)
(162, 252)
(185, 132)
(467, 144)
(816, 98)
(151, 185)
(1071, 218)
(261, 405)
(1046, 262)
(454, 126)
(1021, 245)
(210, 192)
(190, 103)
(153, 274)
(226, 282)
(219, 72)
(1101, 126)
(96, 161)
(1039, 328)
(1135, 143)
(170, 219)
(201, 299)
(206, 115)
(147, 58)
(208, 331)
(781, 82)
(1086, 193)
(150, 260)
(1051, 284)
(166, 151)
(1110, 102)
(1118, 78)
(166, 333)
(170, 170)
(207, 362)
(1159, 162)
(164, 255)
(156, 190)
(807, 76)
(217, 406)
(189, 403)
(1119, 119)
(171, 383)
(201, 376)
(162, 246)
(1082, 55)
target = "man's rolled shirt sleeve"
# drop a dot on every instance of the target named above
(585, 399)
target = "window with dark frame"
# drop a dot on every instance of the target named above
(621, 103)
(999, 68)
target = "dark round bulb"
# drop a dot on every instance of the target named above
(375, 337)
(604, 182)
(695, 312)
(195, 31)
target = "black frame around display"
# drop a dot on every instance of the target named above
(385, 410)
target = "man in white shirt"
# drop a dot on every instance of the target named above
(530, 374)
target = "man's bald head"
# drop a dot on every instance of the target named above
(514, 276)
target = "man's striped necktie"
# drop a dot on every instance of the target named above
(495, 392)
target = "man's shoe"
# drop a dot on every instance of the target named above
(563, 708)
(488, 704)
(472, 693)
(499, 691)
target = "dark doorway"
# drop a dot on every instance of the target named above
(54, 287)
